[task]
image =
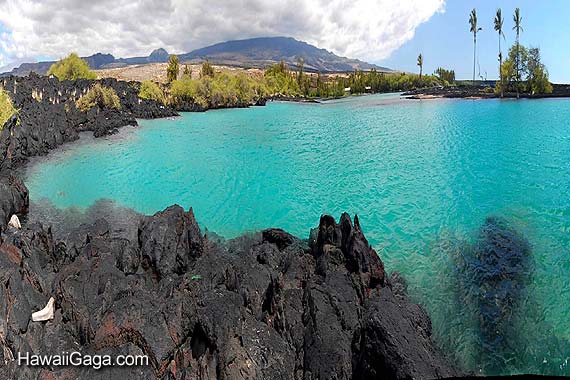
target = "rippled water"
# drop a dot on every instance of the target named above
(422, 175)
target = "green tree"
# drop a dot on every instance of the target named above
(499, 29)
(507, 72)
(300, 72)
(445, 76)
(421, 64)
(172, 69)
(474, 29)
(518, 28)
(537, 75)
(207, 70)
(6, 108)
(71, 68)
(187, 70)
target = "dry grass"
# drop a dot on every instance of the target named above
(157, 72)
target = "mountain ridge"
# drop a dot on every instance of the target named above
(259, 52)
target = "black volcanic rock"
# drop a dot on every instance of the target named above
(14, 198)
(252, 307)
(170, 240)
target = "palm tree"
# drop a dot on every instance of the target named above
(474, 29)
(421, 64)
(518, 28)
(499, 28)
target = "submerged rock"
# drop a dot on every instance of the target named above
(263, 306)
(494, 274)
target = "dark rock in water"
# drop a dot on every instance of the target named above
(259, 306)
(494, 274)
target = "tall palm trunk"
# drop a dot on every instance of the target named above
(517, 68)
(474, 57)
(500, 68)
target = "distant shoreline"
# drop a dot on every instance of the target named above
(476, 93)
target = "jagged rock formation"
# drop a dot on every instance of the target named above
(264, 306)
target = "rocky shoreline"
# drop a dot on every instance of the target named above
(262, 306)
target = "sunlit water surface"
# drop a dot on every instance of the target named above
(421, 175)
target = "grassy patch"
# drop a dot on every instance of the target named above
(6, 108)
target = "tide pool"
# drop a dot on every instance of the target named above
(421, 175)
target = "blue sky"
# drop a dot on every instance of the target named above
(377, 31)
(445, 39)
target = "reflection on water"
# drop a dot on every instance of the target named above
(422, 176)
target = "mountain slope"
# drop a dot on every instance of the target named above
(260, 52)
(254, 52)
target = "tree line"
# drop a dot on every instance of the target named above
(523, 70)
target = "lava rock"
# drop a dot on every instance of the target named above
(252, 307)
(14, 198)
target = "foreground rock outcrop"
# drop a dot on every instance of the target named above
(263, 306)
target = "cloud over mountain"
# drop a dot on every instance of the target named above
(365, 29)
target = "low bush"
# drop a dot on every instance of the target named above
(103, 97)
(221, 90)
(151, 90)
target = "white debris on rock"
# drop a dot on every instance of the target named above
(15, 222)
(46, 313)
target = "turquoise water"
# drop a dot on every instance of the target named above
(421, 175)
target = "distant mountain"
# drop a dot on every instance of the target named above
(264, 51)
(253, 52)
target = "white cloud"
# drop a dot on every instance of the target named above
(366, 29)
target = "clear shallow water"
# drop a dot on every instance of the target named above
(421, 175)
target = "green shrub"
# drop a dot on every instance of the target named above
(151, 90)
(103, 97)
(221, 90)
(71, 68)
(6, 108)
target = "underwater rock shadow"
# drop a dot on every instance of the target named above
(493, 277)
